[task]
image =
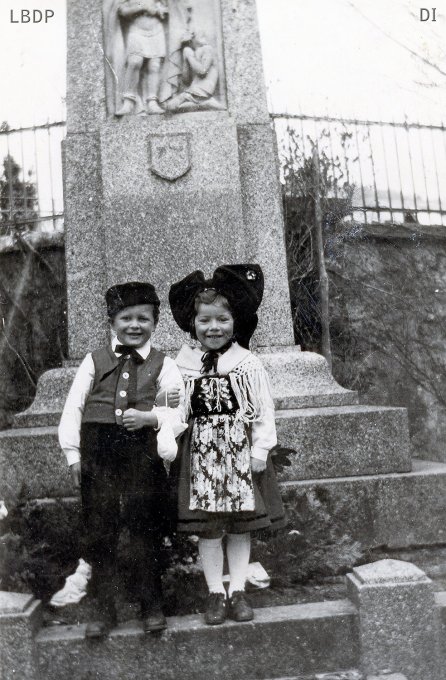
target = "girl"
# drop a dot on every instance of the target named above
(227, 485)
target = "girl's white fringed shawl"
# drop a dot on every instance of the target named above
(248, 378)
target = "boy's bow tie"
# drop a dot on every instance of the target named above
(125, 349)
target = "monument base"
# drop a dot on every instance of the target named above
(298, 380)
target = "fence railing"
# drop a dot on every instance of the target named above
(396, 171)
(31, 188)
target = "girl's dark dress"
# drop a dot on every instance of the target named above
(231, 416)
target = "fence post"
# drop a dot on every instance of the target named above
(323, 277)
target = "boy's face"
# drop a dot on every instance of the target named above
(134, 325)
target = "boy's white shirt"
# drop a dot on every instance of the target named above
(263, 430)
(70, 422)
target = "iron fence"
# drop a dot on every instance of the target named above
(396, 171)
(31, 188)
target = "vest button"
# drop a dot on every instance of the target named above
(118, 412)
(126, 375)
(123, 393)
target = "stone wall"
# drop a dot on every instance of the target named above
(33, 312)
(388, 295)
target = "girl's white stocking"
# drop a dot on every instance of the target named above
(211, 553)
(238, 551)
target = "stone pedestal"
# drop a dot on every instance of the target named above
(153, 197)
(399, 626)
(20, 619)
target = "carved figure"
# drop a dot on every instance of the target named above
(145, 51)
(199, 77)
(156, 61)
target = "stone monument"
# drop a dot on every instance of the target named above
(171, 166)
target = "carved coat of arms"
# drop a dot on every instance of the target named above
(169, 155)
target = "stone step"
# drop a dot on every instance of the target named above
(52, 390)
(342, 441)
(31, 457)
(396, 510)
(330, 442)
(282, 641)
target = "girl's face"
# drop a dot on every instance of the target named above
(214, 326)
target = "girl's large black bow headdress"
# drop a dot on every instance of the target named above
(240, 284)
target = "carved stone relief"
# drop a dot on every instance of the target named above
(163, 55)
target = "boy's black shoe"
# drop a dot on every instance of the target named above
(154, 621)
(216, 609)
(239, 607)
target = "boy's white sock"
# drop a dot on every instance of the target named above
(238, 550)
(211, 553)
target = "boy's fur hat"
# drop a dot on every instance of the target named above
(128, 295)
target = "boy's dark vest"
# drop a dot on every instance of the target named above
(108, 398)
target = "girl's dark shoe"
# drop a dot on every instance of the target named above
(216, 609)
(107, 617)
(154, 621)
(96, 630)
(239, 607)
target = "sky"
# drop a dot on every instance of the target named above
(370, 59)
(363, 59)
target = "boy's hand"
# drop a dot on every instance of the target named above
(258, 465)
(76, 474)
(135, 420)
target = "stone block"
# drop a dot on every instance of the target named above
(245, 82)
(340, 675)
(344, 441)
(387, 676)
(20, 619)
(302, 379)
(398, 620)
(264, 233)
(84, 243)
(330, 442)
(281, 641)
(393, 510)
(85, 66)
(46, 409)
(32, 461)
(159, 229)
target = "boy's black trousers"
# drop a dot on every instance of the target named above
(123, 481)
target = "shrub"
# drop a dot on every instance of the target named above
(315, 543)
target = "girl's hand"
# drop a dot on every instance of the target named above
(135, 420)
(173, 397)
(169, 397)
(75, 469)
(257, 465)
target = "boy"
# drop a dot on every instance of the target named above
(108, 434)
